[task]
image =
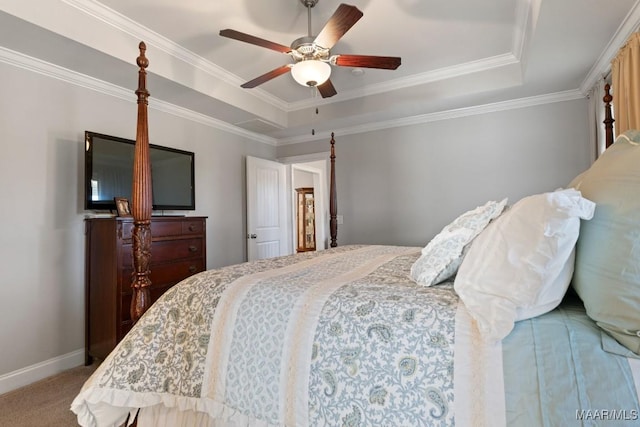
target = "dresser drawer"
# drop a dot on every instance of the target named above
(167, 228)
(192, 227)
(167, 250)
(166, 274)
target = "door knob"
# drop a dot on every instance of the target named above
(252, 236)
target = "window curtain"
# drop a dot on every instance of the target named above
(596, 112)
(625, 76)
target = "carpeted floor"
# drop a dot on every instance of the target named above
(44, 403)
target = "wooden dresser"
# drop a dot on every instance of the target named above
(178, 250)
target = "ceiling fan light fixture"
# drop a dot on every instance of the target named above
(312, 60)
(311, 72)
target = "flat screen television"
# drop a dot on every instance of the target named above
(109, 171)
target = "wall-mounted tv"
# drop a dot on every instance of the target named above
(109, 171)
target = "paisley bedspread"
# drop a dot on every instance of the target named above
(337, 337)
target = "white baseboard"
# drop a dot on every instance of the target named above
(33, 373)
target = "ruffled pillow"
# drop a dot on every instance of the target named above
(521, 265)
(443, 255)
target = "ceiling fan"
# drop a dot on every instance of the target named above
(311, 55)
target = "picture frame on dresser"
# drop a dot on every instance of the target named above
(122, 206)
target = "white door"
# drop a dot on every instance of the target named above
(266, 209)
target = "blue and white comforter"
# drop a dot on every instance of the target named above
(338, 337)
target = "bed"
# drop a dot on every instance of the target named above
(375, 335)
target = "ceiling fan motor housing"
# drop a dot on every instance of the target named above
(304, 48)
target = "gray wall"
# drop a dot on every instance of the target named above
(397, 186)
(42, 124)
(402, 185)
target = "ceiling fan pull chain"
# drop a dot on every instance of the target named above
(313, 131)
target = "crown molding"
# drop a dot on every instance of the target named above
(99, 11)
(522, 33)
(29, 63)
(57, 72)
(602, 65)
(527, 12)
(203, 119)
(428, 77)
(526, 20)
(20, 60)
(119, 21)
(513, 104)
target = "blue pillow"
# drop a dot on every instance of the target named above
(607, 267)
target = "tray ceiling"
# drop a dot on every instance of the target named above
(456, 55)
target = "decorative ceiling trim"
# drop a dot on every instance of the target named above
(525, 23)
(203, 119)
(57, 72)
(29, 63)
(20, 60)
(119, 21)
(433, 76)
(122, 23)
(443, 115)
(603, 65)
(526, 13)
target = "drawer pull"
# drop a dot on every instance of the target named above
(192, 227)
(193, 248)
(192, 269)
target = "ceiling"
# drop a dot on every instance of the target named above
(457, 56)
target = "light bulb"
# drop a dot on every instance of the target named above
(311, 72)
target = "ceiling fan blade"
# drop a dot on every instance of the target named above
(367, 61)
(267, 76)
(326, 89)
(340, 22)
(243, 37)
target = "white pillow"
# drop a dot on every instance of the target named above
(521, 265)
(443, 255)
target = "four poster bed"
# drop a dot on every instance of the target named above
(452, 333)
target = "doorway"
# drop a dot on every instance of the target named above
(310, 171)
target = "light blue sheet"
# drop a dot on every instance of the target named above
(566, 379)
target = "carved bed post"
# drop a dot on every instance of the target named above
(608, 118)
(333, 198)
(141, 202)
